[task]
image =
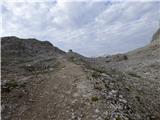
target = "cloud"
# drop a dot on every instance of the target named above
(90, 28)
(76, 14)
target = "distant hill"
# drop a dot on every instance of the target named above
(156, 37)
(27, 47)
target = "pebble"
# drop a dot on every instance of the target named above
(120, 96)
(97, 111)
(68, 92)
(74, 101)
(106, 113)
(123, 100)
(75, 95)
(114, 91)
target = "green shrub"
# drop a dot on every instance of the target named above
(95, 74)
(94, 98)
(99, 70)
(12, 84)
(118, 118)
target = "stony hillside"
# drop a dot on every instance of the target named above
(141, 69)
(20, 55)
(41, 82)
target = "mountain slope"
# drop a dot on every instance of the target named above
(141, 68)
(16, 47)
(22, 55)
(138, 74)
(41, 82)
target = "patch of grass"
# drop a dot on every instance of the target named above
(88, 77)
(76, 60)
(43, 69)
(98, 88)
(96, 74)
(94, 99)
(111, 72)
(72, 58)
(9, 85)
(12, 84)
(118, 118)
(99, 70)
(118, 75)
(58, 66)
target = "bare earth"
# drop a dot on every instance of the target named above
(59, 96)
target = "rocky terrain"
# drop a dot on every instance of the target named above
(42, 82)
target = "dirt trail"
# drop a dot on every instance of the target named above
(58, 96)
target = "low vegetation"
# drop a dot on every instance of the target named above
(94, 98)
(7, 86)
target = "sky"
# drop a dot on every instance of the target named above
(89, 27)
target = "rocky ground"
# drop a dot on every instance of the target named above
(41, 82)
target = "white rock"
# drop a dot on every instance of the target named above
(123, 100)
(97, 111)
(50, 69)
(106, 113)
(120, 96)
(114, 91)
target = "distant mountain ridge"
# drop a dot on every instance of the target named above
(156, 37)
(27, 47)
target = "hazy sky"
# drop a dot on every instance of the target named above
(89, 27)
